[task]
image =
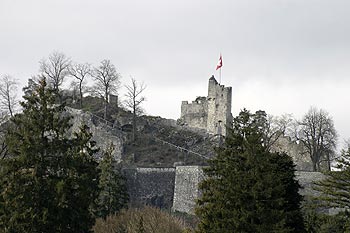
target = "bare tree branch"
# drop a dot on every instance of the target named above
(276, 127)
(107, 81)
(317, 134)
(80, 72)
(134, 100)
(8, 89)
(55, 69)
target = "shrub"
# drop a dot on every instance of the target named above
(146, 219)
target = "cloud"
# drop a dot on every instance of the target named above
(279, 55)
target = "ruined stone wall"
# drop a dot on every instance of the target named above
(195, 114)
(212, 113)
(302, 161)
(103, 135)
(151, 186)
(186, 188)
(219, 107)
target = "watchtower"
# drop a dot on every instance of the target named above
(212, 113)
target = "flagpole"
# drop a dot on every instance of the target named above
(220, 75)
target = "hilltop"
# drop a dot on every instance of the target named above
(160, 142)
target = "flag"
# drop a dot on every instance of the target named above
(219, 65)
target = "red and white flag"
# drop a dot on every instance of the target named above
(219, 65)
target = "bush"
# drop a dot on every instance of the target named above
(146, 219)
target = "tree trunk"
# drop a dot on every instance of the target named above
(134, 123)
(314, 163)
(328, 162)
(81, 95)
(106, 103)
(9, 104)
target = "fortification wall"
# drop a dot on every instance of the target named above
(212, 113)
(186, 188)
(177, 188)
(151, 186)
(195, 114)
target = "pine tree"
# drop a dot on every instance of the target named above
(113, 195)
(50, 179)
(335, 188)
(247, 188)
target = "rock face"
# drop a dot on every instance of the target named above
(306, 180)
(103, 132)
(212, 113)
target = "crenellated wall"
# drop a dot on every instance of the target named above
(195, 114)
(212, 113)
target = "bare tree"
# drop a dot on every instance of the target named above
(8, 89)
(80, 72)
(3, 130)
(276, 127)
(318, 136)
(134, 99)
(55, 69)
(107, 81)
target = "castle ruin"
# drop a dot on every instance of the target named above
(211, 113)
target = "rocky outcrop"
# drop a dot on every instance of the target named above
(104, 133)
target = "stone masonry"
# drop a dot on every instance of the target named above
(177, 188)
(150, 186)
(212, 113)
(186, 189)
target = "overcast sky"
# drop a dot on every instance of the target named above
(281, 56)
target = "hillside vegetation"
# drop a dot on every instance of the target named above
(159, 142)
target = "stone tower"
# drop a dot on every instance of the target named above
(212, 113)
(219, 107)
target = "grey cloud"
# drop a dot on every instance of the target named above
(174, 45)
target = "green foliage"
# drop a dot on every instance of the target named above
(50, 179)
(113, 193)
(334, 192)
(247, 188)
(335, 188)
(146, 219)
(318, 222)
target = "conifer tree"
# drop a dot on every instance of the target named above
(113, 195)
(335, 188)
(247, 188)
(50, 178)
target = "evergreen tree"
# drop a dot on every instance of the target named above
(50, 179)
(247, 188)
(113, 194)
(335, 188)
(318, 222)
